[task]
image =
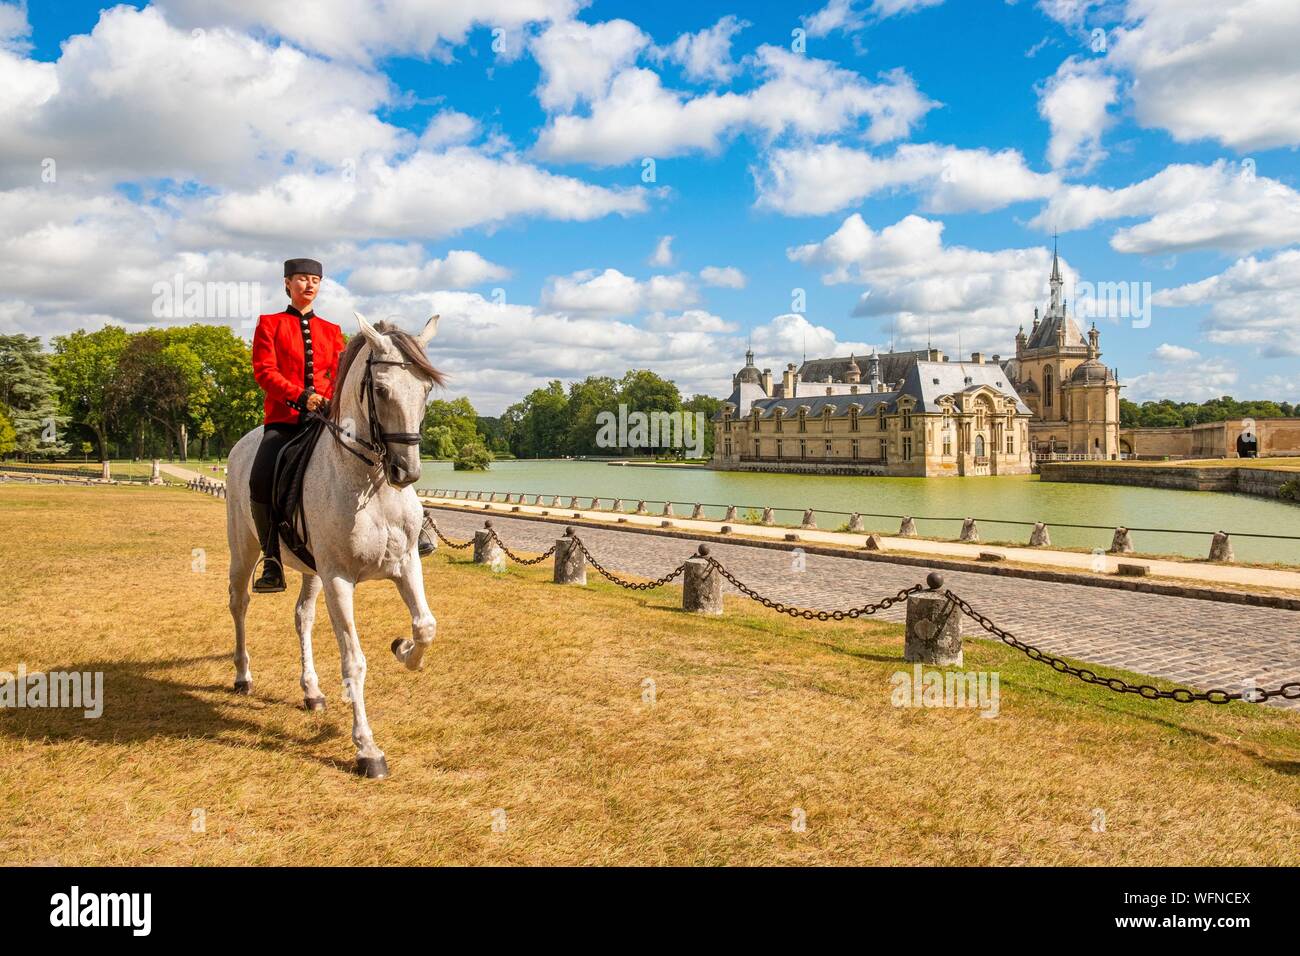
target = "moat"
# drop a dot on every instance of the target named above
(1011, 498)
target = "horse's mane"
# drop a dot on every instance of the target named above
(405, 341)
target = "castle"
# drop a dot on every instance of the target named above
(919, 414)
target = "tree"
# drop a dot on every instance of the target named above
(587, 399)
(644, 391)
(438, 443)
(473, 456)
(156, 384)
(707, 406)
(457, 417)
(28, 391)
(225, 400)
(542, 423)
(8, 437)
(83, 367)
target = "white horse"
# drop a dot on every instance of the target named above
(363, 517)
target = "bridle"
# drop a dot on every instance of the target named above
(379, 439)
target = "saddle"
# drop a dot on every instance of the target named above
(288, 518)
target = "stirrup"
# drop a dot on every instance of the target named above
(272, 579)
(425, 545)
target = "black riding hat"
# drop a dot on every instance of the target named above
(307, 267)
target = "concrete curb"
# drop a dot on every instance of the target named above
(1058, 577)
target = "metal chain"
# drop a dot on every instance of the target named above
(1289, 691)
(429, 522)
(630, 585)
(807, 613)
(514, 557)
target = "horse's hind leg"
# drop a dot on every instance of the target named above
(242, 561)
(304, 615)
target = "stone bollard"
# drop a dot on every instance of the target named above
(873, 542)
(155, 474)
(1039, 538)
(668, 509)
(640, 508)
(933, 627)
(698, 511)
(595, 504)
(968, 530)
(573, 502)
(104, 473)
(809, 519)
(485, 549)
(731, 513)
(768, 517)
(701, 585)
(617, 505)
(1221, 547)
(908, 528)
(1121, 543)
(855, 523)
(570, 562)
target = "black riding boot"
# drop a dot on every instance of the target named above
(272, 579)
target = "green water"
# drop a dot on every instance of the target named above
(1019, 498)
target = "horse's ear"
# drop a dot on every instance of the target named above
(429, 331)
(371, 335)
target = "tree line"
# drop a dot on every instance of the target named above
(189, 391)
(1169, 414)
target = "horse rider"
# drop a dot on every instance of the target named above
(295, 361)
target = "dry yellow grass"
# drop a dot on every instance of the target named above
(531, 702)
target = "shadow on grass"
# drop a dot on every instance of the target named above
(142, 705)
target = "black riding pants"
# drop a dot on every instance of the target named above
(274, 437)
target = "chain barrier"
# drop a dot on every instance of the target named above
(514, 557)
(807, 613)
(1288, 691)
(430, 523)
(630, 585)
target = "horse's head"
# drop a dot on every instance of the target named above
(392, 382)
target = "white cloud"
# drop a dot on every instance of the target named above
(844, 15)
(393, 268)
(361, 29)
(427, 196)
(786, 337)
(14, 27)
(1165, 352)
(578, 59)
(691, 320)
(662, 257)
(449, 128)
(611, 293)
(929, 287)
(137, 98)
(1224, 206)
(799, 95)
(1190, 382)
(824, 178)
(1226, 71)
(706, 56)
(724, 277)
(1074, 103)
(1253, 302)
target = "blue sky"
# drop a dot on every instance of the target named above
(902, 162)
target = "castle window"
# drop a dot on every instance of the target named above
(947, 444)
(826, 418)
(884, 454)
(726, 448)
(907, 448)
(882, 418)
(779, 443)
(780, 418)
(853, 422)
(855, 448)
(758, 446)
(907, 420)
(1011, 444)
(803, 448)
(979, 446)
(803, 420)
(1047, 388)
(828, 449)
(756, 422)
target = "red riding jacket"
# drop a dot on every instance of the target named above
(293, 356)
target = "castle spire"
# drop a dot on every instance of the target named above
(1056, 281)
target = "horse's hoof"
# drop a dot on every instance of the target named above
(372, 768)
(314, 703)
(402, 647)
(243, 687)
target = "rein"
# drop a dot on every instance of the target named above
(379, 439)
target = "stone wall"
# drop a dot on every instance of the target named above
(1278, 437)
(1249, 481)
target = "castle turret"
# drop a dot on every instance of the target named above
(873, 372)
(854, 374)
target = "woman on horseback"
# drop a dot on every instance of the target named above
(295, 361)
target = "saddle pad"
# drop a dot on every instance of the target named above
(288, 516)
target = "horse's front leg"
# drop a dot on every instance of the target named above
(338, 598)
(304, 616)
(424, 627)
